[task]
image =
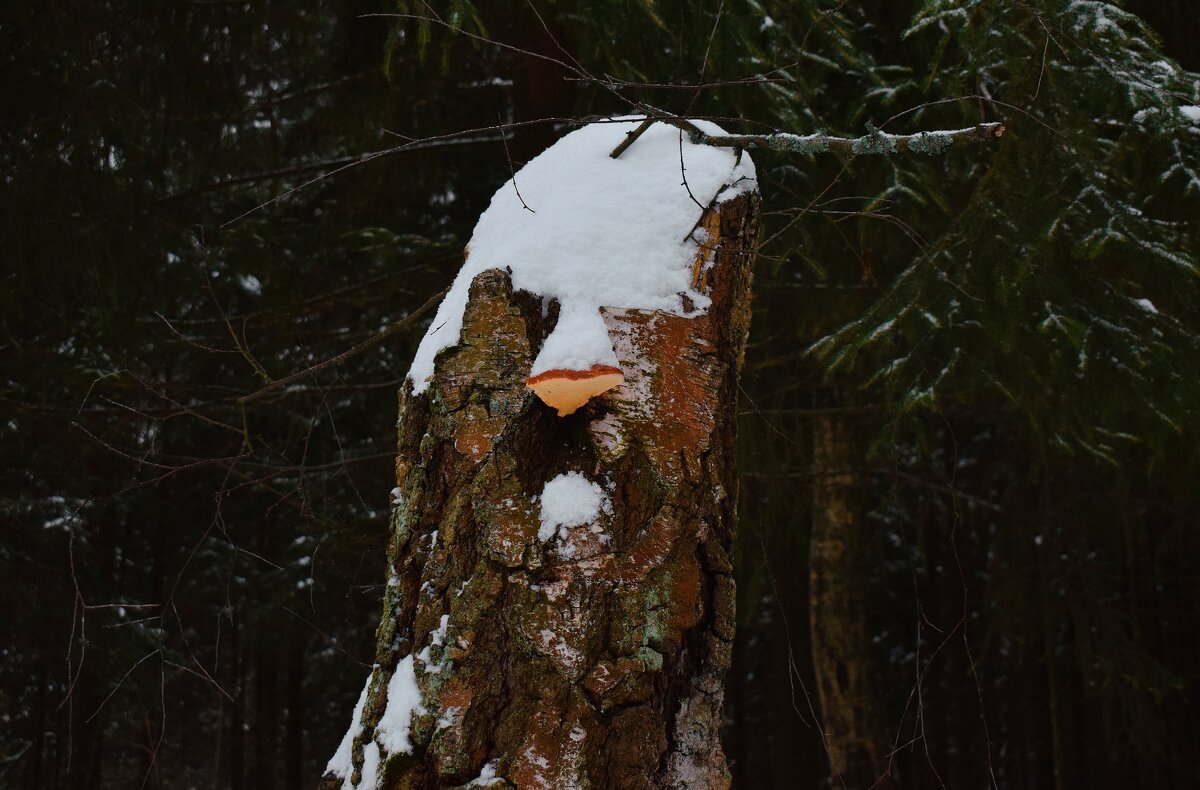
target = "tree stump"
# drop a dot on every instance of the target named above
(593, 655)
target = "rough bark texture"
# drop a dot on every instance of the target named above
(843, 653)
(597, 659)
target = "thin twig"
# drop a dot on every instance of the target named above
(683, 174)
(631, 137)
(329, 164)
(704, 64)
(370, 342)
(512, 171)
(978, 96)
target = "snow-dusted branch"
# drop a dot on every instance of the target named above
(874, 142)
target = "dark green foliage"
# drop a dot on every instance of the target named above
(1108, 153)
(237, 550)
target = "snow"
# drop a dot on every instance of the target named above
(1190, 112)
(487, 776)
(598, 232)
(403, 699)
(436, 637)
(579, 341)
(447, 719)
(570, 500)
(556, 646)
(607, 431)
(341, 764)
(1146, 305)
(370, 770)
(1096, 13)
(250, 284)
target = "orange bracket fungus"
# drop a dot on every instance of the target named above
(567, 390)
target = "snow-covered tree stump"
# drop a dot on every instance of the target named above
(560, 607)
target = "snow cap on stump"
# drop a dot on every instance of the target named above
(591, 231)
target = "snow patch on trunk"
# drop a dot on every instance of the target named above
(403, 700)
(370, 769)
(487, 776)
(570, 500)
(341, 764)
(436, 637)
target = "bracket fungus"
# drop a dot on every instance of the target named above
(567, 390)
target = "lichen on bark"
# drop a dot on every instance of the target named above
(596, 659)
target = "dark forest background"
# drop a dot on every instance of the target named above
(995, 353)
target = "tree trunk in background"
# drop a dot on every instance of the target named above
(293, 761)
(540, 87)
(38, 734)
(264, 717)
(843, 654)
(237, 708)
(605, 668)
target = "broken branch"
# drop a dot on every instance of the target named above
(874, 142)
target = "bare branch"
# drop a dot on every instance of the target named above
(631, 137)
(512, 171)
(370, 342)
(876, 142)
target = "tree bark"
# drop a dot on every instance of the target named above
(595, 659)
(844, 659)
